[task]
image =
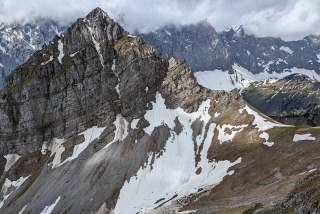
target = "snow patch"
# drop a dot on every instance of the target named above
(44, 148)
(96, 45)
(318, 58)
(242, 78)
(3, 50)
(217, 114)
(302, 137)
(134, 123)
(11, 160)
(265, 136)
(9, 187)
(274, 75)
(73, 54)
(221, 80)
(173, 174)
(262, 124)
(224, 135)
(187, 212)
(113, 66)
(48, 209)
(61, 53)
(286, 49)
(56, 149)
(22, 209)
(167, 32)
(89, 136)
(117, 89)
(49, 60)
(121, 131)
(160, 115)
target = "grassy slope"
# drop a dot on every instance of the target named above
(266, 174)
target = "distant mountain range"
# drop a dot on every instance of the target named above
(237, 58)
(243, 56)
(19, 40)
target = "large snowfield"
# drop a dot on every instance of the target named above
(173, 174)
(241, 78)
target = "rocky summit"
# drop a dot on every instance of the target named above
(98, 121)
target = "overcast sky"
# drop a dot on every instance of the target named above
(289, 19)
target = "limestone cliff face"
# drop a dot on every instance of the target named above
(94, 75)
(85, 77)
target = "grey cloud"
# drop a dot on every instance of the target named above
(289, 19)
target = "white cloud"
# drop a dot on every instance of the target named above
(289, 19)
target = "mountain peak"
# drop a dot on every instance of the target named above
(240, 31)
(96, 13)
(96, 28)
(237, 31)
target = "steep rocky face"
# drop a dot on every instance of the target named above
(293, 99)
(95, 74)
(236, 57)
(98, 121)
(92, 73)
(19, 40)
(199, 45)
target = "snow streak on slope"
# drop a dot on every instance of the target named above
(89, 136)
(57, 148)
(173, 174)
(49, 60)
(121, 131)
(49, 209)
(274, 75)
(218, 80)
(262, 124)
(241, 78)
(301, 137)
(96, 45)
(61, 53)
(227, 132)
(11, 160)
(9, 187)
(22, 209)
(286, 49)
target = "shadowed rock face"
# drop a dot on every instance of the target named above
(294, 99)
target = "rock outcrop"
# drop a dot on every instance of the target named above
(294, 99)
